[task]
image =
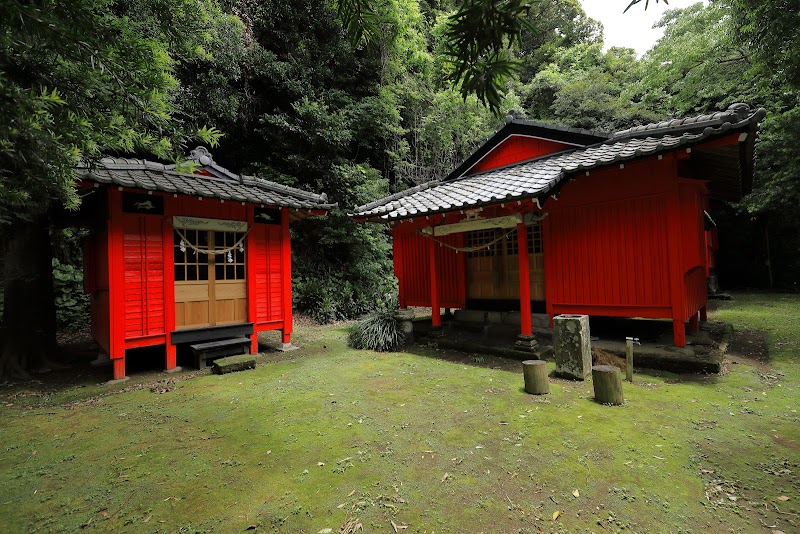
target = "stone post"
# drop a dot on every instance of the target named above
(405, 316)
(572, 347)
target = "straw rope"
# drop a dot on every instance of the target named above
(211, 251)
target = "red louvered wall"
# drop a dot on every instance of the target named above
(268, 275)
(143, 263)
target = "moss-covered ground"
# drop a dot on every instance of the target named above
(428, 440)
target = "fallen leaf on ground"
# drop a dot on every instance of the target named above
(397, 527)
(445, 477)
(320, 464)
(340, 506)
(351, 493)
(782, 498)
(325, 531)
(576, 493)
(556, 514)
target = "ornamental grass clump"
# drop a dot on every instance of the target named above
(378, 331)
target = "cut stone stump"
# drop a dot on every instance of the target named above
(571, 346)
(607, 381)
(536, 379)
(234, 363)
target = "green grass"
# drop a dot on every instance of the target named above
(438, 441)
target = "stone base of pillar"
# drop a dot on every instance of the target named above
(526, 343)
(286, 347)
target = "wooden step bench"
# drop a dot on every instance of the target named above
(218, 349)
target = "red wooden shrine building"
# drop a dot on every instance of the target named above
(574, 221)
(176, 258)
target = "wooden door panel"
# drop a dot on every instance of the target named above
(191, 304)
(497, 277)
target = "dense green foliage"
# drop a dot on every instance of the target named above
(72, 304)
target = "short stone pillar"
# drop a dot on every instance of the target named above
(405, 317)
(571, 345)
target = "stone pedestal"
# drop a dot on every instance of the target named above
(405, 316)
(525, 343)
(571, 345)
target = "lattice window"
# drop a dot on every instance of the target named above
(534, 241)
(193, 266)
(483, 239)
(229, 266)
(189, 264)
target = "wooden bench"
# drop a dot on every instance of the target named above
(218, 349)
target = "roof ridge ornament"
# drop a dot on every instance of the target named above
(201, 155)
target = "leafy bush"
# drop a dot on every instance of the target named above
(379, 331)
(72, 304)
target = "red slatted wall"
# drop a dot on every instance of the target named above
(412, 268)
(608, 255)
(144, 275)
(268, 273)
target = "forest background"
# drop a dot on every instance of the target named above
(359, 99)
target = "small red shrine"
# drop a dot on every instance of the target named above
(177, 258)
(574, 221)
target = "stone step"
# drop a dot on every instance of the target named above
(232, 364)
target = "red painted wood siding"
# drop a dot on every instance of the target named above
(143, 263)
(517, 148)
(268, 275)
(608, 257)
(412, 268)
(627, 242)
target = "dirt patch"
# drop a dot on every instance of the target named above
(749, 347)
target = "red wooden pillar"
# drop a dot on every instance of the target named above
(397, 256)
(169, 284)
(526, 328)
(694, 323)
(286, 256)
(116, 284)
(436, 318)
(677, 285)
(250, 261)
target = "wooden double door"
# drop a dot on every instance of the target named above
(210, 288)
(493, 270)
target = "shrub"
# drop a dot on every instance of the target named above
(379, 331)
(72, 304)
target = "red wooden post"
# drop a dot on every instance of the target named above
(436, 318)
(116, 284)
(169, 285)
(704, 314)
(694, 323)
(250, 261)
(397, 255)
(677, 285)
(286, 332)
(526, 328)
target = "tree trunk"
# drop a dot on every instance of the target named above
(29, 318)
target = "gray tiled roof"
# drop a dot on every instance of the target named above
(151, 176)
(537, 177)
